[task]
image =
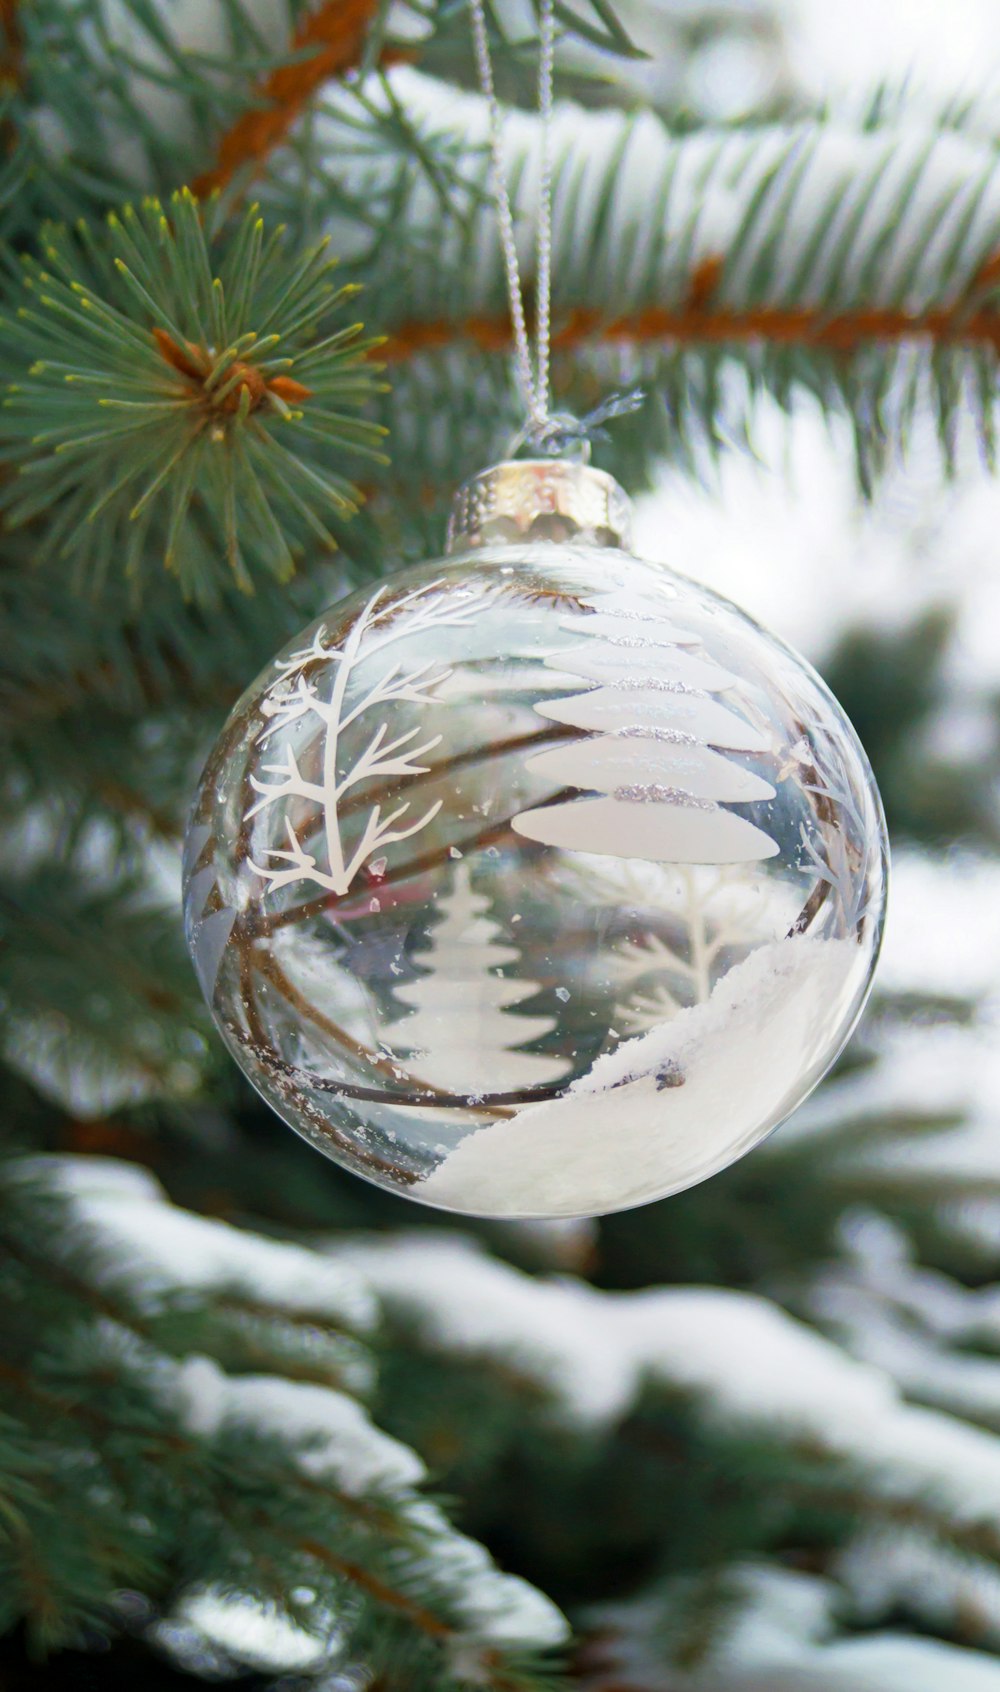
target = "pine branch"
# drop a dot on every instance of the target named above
(862, 265)
(255, 1484)
(152, 655)
(751, 1623)
(848, 1448)
(180, 376)
(129, 1029)
(133, 95)
(701, 321)
(326, 44)
(119, 97)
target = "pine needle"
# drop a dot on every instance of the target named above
(155, 355)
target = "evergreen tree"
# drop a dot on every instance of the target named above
(253, 329)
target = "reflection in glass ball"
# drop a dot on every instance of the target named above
(536, 882)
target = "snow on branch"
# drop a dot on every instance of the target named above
(783, 1634)
(820, 235)
(337, 1437)
(339, 1442)
(163, 1246)
(889, 1571)
(463, 1602)
(751, 1366)
(935, 1337)
(212, 1619)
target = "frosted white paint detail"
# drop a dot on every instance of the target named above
(718, 911)
(665, 832)
(635, 623)
(612, 710)
(459, 1027)
(611, 761)
(655, 663)
(655, 709)
(295, 695)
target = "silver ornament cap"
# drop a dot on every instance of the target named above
(540, 499)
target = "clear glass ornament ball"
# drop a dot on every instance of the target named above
(537, 881)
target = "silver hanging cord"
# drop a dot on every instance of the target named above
(547, 431)
(543, 262)
(533, 373)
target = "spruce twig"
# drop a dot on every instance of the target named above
(326, 44)
(160, 388)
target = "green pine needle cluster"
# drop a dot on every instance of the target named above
(185, 387)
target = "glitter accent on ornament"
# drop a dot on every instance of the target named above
(655, 795)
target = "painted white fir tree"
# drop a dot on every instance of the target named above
(459, 1027)
(654, 747)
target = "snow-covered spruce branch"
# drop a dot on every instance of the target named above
(783, 1628)
(749, 1366)
(813, 236)
(347, 1511)
(296, 695)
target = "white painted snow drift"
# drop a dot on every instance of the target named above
(671, 1106)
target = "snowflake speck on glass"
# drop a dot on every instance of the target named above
(538, 882)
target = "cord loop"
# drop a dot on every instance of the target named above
(533, 372)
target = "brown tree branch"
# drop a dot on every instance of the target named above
(337, 33)
(389, 1596)
(700, 319)
(492, 1669)
(11, 64)
(10, 44)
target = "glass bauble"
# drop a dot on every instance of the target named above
(537, 881)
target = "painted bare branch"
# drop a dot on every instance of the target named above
(298, 693)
